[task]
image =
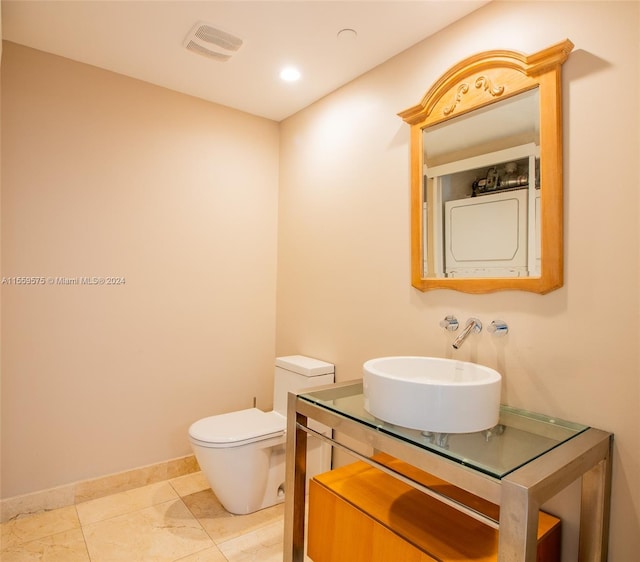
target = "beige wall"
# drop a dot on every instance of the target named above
(103, 175)
(343, 270)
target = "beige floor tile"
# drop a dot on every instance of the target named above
(261, 545)
(209, 555)
(68, 546)
(162, 533)
(40, 525)
(147, 524)
(190, 484)
(222, 525)
(125, 502)
(204, 504)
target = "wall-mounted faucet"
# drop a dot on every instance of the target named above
(473, 325)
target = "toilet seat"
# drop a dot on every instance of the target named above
(237, 428)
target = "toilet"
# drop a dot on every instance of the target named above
(242, 454)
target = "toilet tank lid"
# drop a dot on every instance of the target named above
(306, 366)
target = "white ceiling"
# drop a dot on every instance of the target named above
(144, 39)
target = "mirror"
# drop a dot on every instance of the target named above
(486, 175)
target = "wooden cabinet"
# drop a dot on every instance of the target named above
(358, 513)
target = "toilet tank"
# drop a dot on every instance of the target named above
(296, 372)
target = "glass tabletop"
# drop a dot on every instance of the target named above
(519, 437)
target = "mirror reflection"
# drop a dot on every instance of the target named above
(482, 192)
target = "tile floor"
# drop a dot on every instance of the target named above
(175, 520)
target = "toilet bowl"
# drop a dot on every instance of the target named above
(235, 452)
(242, 453)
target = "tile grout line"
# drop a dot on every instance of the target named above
(84, 537)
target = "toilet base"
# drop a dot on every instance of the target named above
(254, 478)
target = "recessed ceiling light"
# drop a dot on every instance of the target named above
(347, 34)
(290, 74)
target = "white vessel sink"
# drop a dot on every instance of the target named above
(432, 394)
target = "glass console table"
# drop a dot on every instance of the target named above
(519, 464)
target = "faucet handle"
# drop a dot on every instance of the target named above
(498, 328)
(449, 323)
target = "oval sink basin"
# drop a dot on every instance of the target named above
(432, 394)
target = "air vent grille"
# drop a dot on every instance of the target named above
(198, 48)
(208, 41)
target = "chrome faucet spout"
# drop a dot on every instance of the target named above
(473, 325)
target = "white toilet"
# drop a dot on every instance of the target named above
(242, 453)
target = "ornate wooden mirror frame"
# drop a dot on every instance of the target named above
(474, 83)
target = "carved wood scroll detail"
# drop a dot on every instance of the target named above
(481, 82)
(485, 83)
(462, 89)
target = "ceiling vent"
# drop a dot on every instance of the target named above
(211, 42)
